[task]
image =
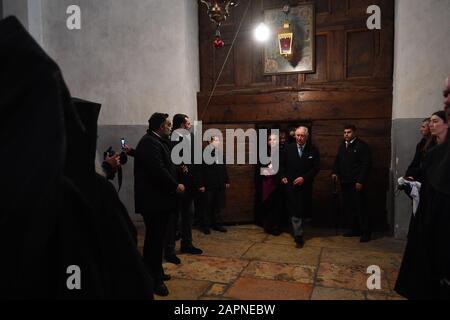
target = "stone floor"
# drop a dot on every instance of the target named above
(248, 264)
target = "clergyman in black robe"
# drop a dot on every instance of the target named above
(56, 213)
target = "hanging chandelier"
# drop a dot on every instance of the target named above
(218, 12)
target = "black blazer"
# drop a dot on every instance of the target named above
(213, 176)
(293, 167)
(416, 167)
(190, 178)
(352, 165)
(155, 176)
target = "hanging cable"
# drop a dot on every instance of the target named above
(226, 59)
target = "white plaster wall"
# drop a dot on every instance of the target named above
(35, 20)
(29, 14)
(422, 62)
(422, 56)
(135, 57)
(18, 8)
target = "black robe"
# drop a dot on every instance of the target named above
(415, 168)
(56, 212)
(426, 262)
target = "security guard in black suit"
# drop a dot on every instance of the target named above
(185, 211)
(156, 188)
(351, 167)
(300, 164)
(214, 180)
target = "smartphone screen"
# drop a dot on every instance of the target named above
(122, 143)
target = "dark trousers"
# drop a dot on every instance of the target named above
(297, 201)
(354, 208)
(284, 214)
(155, 234)
(181, 219)
(199, 208)
(214, 204)
(272, 211)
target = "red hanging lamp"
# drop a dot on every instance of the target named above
(286, 35)
(218, 11)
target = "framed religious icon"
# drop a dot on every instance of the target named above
(291, 47)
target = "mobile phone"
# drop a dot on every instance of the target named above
(122, 143)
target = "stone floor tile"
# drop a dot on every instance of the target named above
(183, 289)
(218, 270)
(280, 272)
(234, 233)
(283, 254)
(260, 289)
(383, 296)
(361, 257)
(222, 248)
(217, 289)
(346, 277)
(322, 293)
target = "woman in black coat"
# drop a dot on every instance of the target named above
(425, 269)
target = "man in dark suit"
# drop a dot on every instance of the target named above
(156, 188)
(351, 167)
(185, 210)
(300, 163)
(213, 183)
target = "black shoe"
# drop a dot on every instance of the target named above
(300, 242)
(160, 289)
(275, 232)
(166, 277)
(190, 249)
(206, 230)
(365, 238)
(352, 234)
(219, 229)
(172, 258)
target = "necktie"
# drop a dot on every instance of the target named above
(300, 151)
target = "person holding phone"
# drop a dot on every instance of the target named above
(156, 187)
(126, 148)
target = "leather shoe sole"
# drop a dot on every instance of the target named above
(191, 250)
(161, 290)
(300, 243)
(351, 235)
(172, 259)
(220, 229)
